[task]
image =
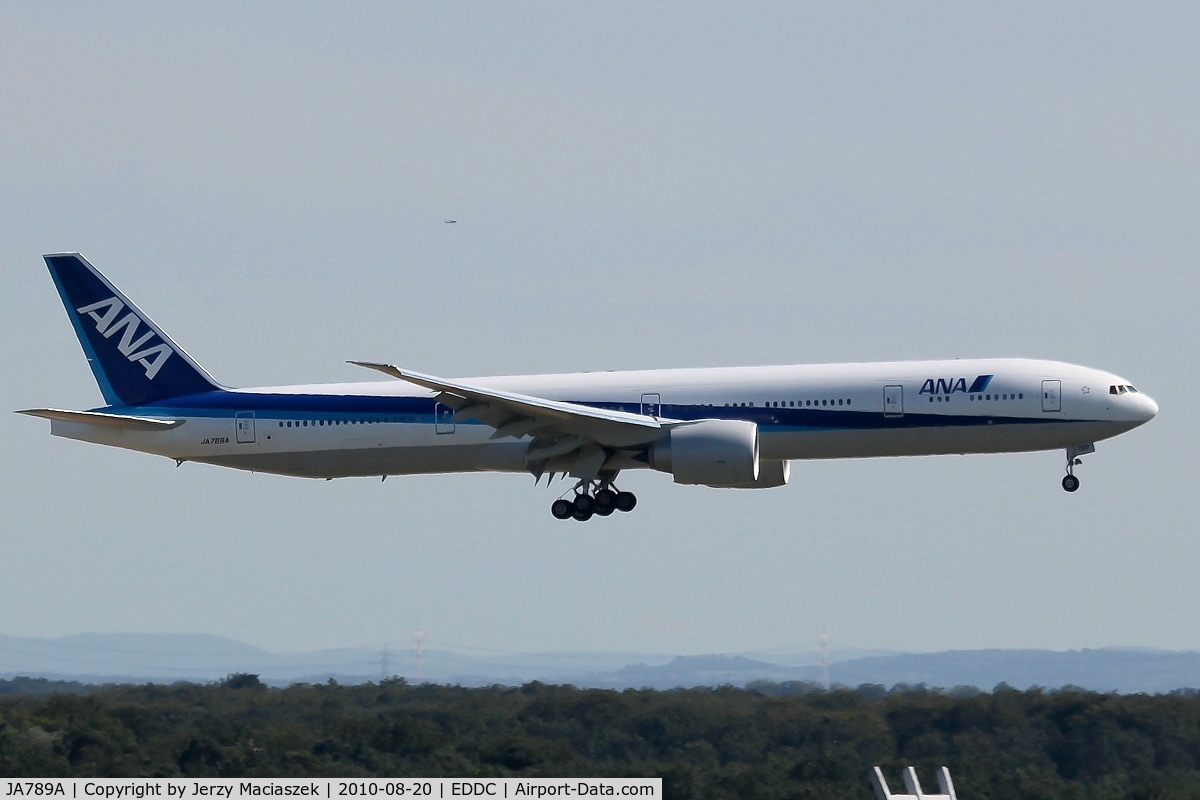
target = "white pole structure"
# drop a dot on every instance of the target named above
(419, 653)
(913, 785)
(824, 659)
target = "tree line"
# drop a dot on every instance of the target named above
(768, 740)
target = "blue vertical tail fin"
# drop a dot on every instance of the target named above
(133, 360)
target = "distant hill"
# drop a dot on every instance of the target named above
(101, 657)
(165, 658)
(1104, 670)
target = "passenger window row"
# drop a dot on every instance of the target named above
(982, 397)
(321, 423)
(795, 403)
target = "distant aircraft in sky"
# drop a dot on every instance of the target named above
(731, 427)
(450, 221)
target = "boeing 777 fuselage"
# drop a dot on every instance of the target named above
(732, 427)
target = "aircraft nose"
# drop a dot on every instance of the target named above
(1147, 408)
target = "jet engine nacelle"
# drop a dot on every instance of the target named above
(710, 452)
(770, 475)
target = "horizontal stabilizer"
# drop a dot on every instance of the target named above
(122, 421)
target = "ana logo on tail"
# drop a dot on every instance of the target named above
(133, 347)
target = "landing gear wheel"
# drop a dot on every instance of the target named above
(604, 511)
(605, 499)
(626, 501)
(583, 503)
(1070, 483)
(582, 516)
(562, 509)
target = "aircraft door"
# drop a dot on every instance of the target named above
(893, 401)
(652, 405)
(244, 426)
(1051, 395)
(443, 419)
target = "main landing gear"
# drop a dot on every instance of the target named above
(593, 498)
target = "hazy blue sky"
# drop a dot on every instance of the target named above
(637, 185)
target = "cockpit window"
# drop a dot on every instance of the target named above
(1130, 388)
(1112, 389)
(1121, 390)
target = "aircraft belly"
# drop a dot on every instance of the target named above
(381, 460)
(404, 449)
(925, 441)
(161, 443)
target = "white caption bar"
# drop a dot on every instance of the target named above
(421, 788)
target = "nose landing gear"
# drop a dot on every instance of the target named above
(1070, 483)
(593, 498)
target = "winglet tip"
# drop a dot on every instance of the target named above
(386, 369)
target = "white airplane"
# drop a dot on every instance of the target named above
(733, 427)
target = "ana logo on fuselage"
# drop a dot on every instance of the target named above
(952, 385)
(133, 347)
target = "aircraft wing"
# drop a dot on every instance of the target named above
(559, 427)
(122, 421)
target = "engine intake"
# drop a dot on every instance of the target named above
(710, 452)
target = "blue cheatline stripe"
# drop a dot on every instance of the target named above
(274, 404)
(420, 410)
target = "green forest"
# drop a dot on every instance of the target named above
(765, 741)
